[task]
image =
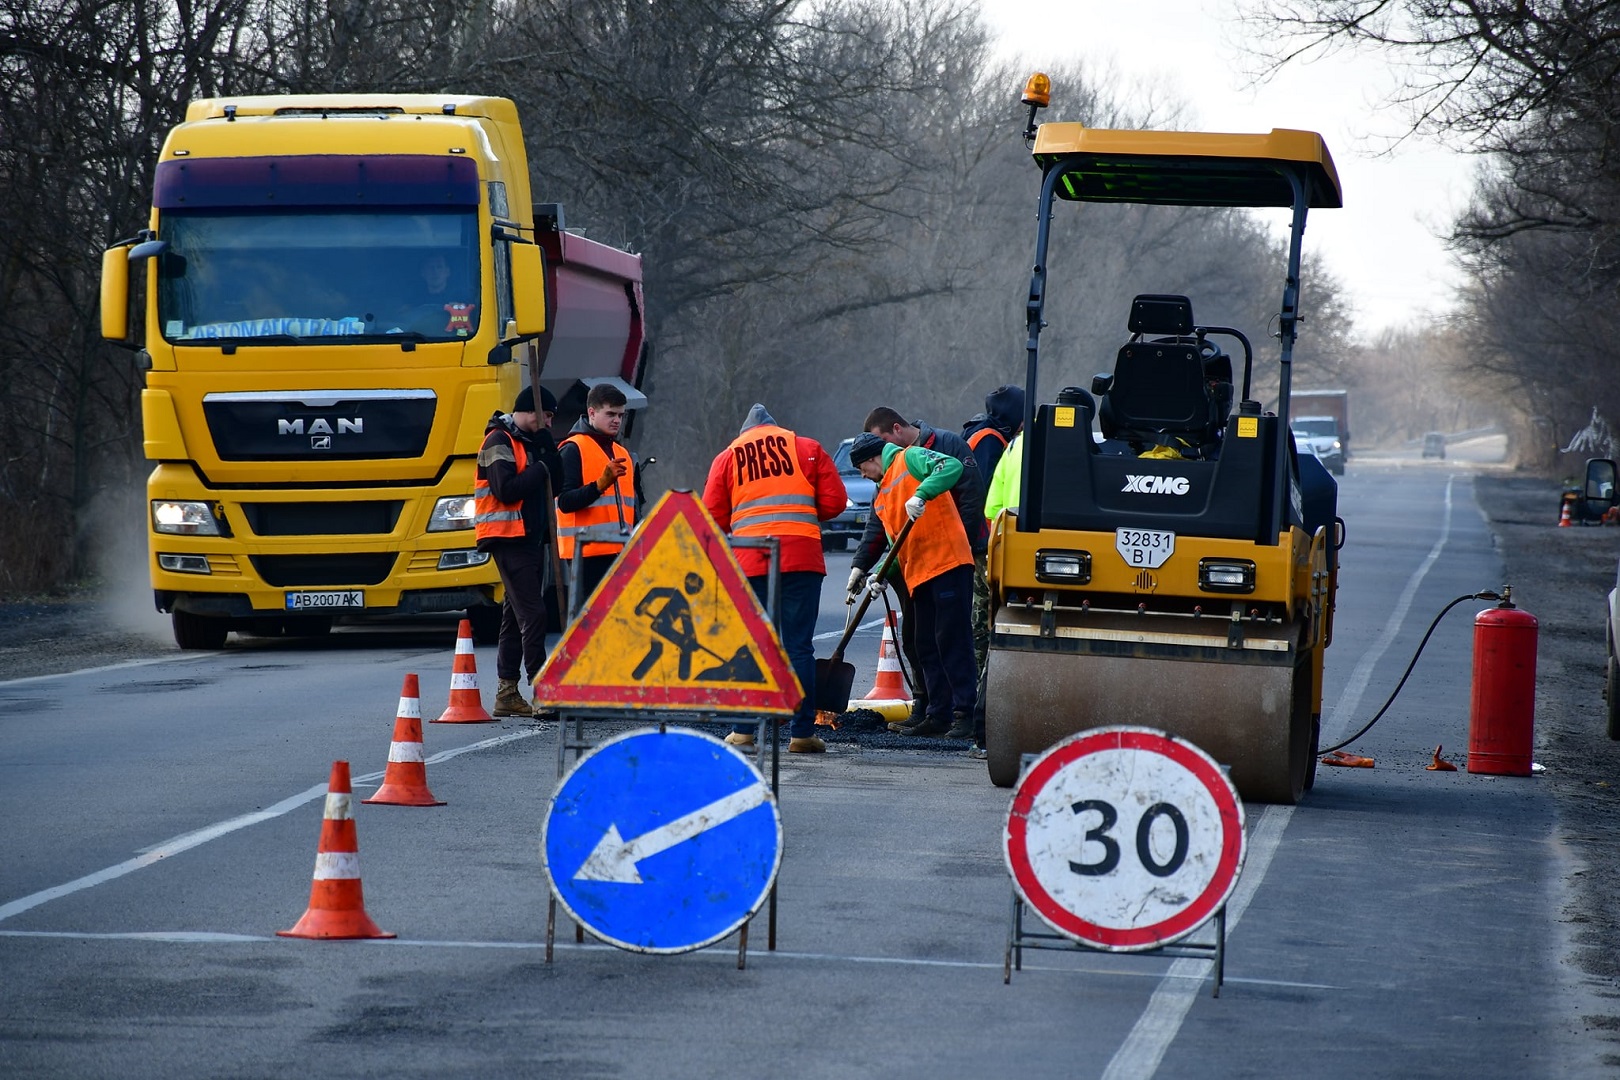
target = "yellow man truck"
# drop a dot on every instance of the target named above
(332, 296)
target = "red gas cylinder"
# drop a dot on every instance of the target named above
(1502, 714)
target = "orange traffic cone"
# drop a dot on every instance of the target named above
(405, 780)
(889, 685)
(466, 704)
(336, 907)
(1563, 516)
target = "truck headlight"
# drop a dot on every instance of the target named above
(183, 518)
(1063, 567)
(452, 512)
(462, 558)
(184, 564)
(1226, 575)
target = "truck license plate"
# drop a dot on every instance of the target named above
(320, 601)
(1144, 547)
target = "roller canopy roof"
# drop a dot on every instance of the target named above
(1186, 168)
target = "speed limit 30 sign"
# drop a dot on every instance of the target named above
(1124, 838)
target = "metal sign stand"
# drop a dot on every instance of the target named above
(1019, 939)
(572, 734)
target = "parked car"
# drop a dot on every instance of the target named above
(1434, 445)
(858, 491)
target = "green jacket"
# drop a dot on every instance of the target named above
(1006, 481)
(937, 472)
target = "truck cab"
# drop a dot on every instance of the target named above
(339, 292)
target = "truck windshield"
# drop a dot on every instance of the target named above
(308, 276)
(1315, 425)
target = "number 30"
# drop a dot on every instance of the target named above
(1144, 837)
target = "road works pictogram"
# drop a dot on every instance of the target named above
(674, 625)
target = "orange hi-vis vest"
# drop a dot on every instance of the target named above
(770, 494)
(621, 497)
(491, 517)
(977, 437)
(936, 543)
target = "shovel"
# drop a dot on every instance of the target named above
(835, 677)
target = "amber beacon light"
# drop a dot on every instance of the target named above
(1037, 95)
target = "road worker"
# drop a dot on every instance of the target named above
(773, 482)
(968, 497)
(598, 487)
(937, 566)
(988, 435)
(518, 469)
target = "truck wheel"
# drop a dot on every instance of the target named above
(486, 624)
(1611, 690)
(199, 631)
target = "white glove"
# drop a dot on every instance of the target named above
(914, 507)
(857, 582)
(874, 585)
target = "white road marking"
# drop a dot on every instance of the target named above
(186, 841)
(202, 937)
(834, 635)
(1139, 1056)
(122, 665)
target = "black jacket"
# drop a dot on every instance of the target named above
(577, 491)
(968, 494)
(532, 487)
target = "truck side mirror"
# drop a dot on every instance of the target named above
(528, 290)
(1600, 477)
(115, 294)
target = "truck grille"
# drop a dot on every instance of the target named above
(323, 519)
(320, 425)
(289, 571)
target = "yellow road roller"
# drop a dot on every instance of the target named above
(1171, 560)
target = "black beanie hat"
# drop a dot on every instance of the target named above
(866, 445)
(525, 400)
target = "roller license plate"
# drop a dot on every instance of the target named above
(326, 601)
(1145, 547)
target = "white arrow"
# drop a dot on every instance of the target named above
(615, 860)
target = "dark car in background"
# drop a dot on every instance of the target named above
(837, 534)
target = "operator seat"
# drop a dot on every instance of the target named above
(1173, 390)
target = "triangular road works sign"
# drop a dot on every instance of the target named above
(674, 625)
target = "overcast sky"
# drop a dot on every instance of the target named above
(1383, 245)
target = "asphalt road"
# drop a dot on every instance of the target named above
(161, 821)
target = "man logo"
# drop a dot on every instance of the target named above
(1156, 485)
(320, 442)
(320, 426)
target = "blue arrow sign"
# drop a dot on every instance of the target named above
(662, 842)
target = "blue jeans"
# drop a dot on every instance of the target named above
(800, 595)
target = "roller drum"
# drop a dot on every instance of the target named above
(1255, 718)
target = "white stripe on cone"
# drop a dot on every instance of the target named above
(463, 680)
(337, 865)
(410, 708)
(464, 645)
(405, 751)
(337, 806)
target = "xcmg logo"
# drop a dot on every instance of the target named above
(1156, 485)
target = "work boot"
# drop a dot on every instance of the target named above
(930, 728)
(509, 700)
(961, 725)
(740, 738)
(919, 710)
(808, 744)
